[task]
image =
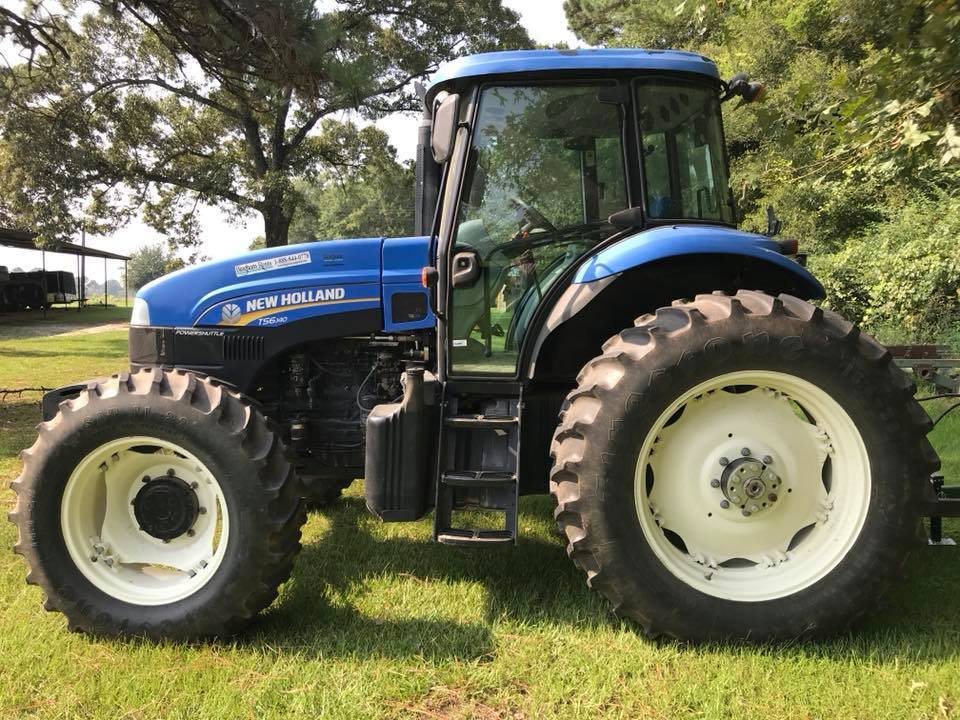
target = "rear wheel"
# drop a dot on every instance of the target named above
(157, 504)
(741, 467)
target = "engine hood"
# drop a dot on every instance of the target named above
(280, 285)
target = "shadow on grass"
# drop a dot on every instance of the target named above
(534, 582)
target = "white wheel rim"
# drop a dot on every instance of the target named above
(103, 537)
(818, 472)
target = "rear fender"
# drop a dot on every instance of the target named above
(643, 272)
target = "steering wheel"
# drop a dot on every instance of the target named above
(529, 218)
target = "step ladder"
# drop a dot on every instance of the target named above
(479, 450)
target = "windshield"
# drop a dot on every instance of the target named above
(684, 166)
(546, 168)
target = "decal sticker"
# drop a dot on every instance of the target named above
(459, 343)
(230, 314)
(279, 308)
(274, 263)
(198, 333)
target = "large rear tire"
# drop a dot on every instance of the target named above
(158, 504)
(742, 467)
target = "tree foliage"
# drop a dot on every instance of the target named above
(148, 263)
(161, 106)
(858, 129)
(373, 198)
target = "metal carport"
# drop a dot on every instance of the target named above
(24, 240)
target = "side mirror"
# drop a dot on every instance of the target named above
(446, 115)
(741, 86)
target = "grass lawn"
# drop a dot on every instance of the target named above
(380, 622)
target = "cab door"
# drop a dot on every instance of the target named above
(544, 170)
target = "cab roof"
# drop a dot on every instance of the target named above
(523, 61)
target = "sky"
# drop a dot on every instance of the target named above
(544, 20)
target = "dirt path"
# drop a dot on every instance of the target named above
(16, 332)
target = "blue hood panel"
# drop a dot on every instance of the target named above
(276, 286)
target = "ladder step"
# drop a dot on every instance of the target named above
(478, 478)
(486, 422)
(463, 538)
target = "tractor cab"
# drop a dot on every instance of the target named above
(529, 163)
(538, 157)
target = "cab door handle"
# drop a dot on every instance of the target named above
(466, 269)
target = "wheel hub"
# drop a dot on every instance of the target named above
(166, 507)
(749, 484)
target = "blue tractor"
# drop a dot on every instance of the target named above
(578, 315)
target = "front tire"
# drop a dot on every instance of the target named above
(160, 505)
(742, 467)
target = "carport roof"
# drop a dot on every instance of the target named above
(23, 240)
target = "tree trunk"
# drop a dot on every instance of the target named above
(276, 225)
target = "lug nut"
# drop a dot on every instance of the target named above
(715, 483)
(724, 504)
(191, 532)
(754, 508)
(194, 485)
(745, 452)
(767, 460)
(202, 511)
(170, 472)
(745, 513)
(724, 461)
(145, 479)
(772, 497)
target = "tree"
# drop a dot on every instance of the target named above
(149, 262)
(34, 30)
(375, 198)
(164, 105)
(863, 97)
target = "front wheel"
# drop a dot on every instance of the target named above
(742, 467)
(157, 504)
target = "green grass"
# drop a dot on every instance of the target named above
(90, 315)
(378, 621)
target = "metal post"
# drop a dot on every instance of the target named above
(83, 266)
(104, 282)
(79, 287)
(43, 283)
(126, 299)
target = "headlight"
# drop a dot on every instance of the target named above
(141, 312)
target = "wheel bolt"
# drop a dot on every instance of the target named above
(715, 483)
(724, 504)
(93, 558)
(170, 472)
(767, 460)
(724, 461)
(145, 479)
(772, 497)
(202, 511)
(191, 532)
(745, 513)
(745, 452)
(194, 485)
